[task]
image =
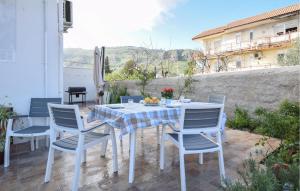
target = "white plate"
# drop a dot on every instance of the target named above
(186, 100)
(173, 105)
(115, 106)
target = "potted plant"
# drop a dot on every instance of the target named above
(5, 113)
(168, 94)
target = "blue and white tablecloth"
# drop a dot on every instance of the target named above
(134, 116)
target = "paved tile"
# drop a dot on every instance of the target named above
(27, 168)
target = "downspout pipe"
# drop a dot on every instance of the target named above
(60, 48)
(45, 49)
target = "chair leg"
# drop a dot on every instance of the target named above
(50, 162)
(201, 158)
(129, 141)
(83, 159)
(221, 158)
(121, 141)
(47, 141)
(221, 166)
(182, 171)
(224, 138)
(162, 152)
(7, 151)
(77, 170)
(114, 150)
(142, 133)
(104, 144)
(36, 142)
(157, 135)
(32, 143)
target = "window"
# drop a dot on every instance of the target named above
(251, 35)
(217, 45)
(238, 38)
(290, 30)
(208, 46)
(238, 64)
(291, 26)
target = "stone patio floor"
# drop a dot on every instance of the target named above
(27, 169)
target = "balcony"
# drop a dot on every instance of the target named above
(257, 44)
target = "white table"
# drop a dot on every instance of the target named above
(134, 116)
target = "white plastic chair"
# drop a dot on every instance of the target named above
(38, 109)
(67, 118)
(195, 121)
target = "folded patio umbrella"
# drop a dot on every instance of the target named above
(98, 73)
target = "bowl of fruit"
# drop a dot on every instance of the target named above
(151, 101)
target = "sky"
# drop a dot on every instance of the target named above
(159, 24)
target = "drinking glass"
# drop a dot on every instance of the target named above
(130, 101)
(181, 98)
(163, 101)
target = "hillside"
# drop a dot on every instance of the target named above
(76, 57)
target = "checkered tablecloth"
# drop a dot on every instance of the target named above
(134, 116)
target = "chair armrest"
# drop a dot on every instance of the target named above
(18, 116)
(93, 128)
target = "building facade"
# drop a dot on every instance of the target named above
(256, 42)
(31, 51)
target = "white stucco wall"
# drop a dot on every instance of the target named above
(79, 77)
(24, 77)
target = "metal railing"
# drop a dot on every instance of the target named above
(255, 44)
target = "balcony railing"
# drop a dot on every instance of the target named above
(256, 44)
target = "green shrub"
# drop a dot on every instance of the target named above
(289, 174)
(283, 124)
(282, 166)
(289, 108)
(254, 178)
(5, 114)
(116, 91)
(273, 177)
(241, 120)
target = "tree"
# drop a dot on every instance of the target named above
(292, 56)
(186, 86)
(129, 68)
(106, 65)
(202, 62)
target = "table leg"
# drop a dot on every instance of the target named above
(157, 135)
(104, 144)
(132, 157)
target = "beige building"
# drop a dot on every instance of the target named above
(256, 42)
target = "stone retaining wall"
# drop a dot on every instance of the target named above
(248, 89)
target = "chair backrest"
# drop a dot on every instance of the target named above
(65, 117)
(216, 99)
(106, 97)
(39, 106)
(136, 99)
(201, 118)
